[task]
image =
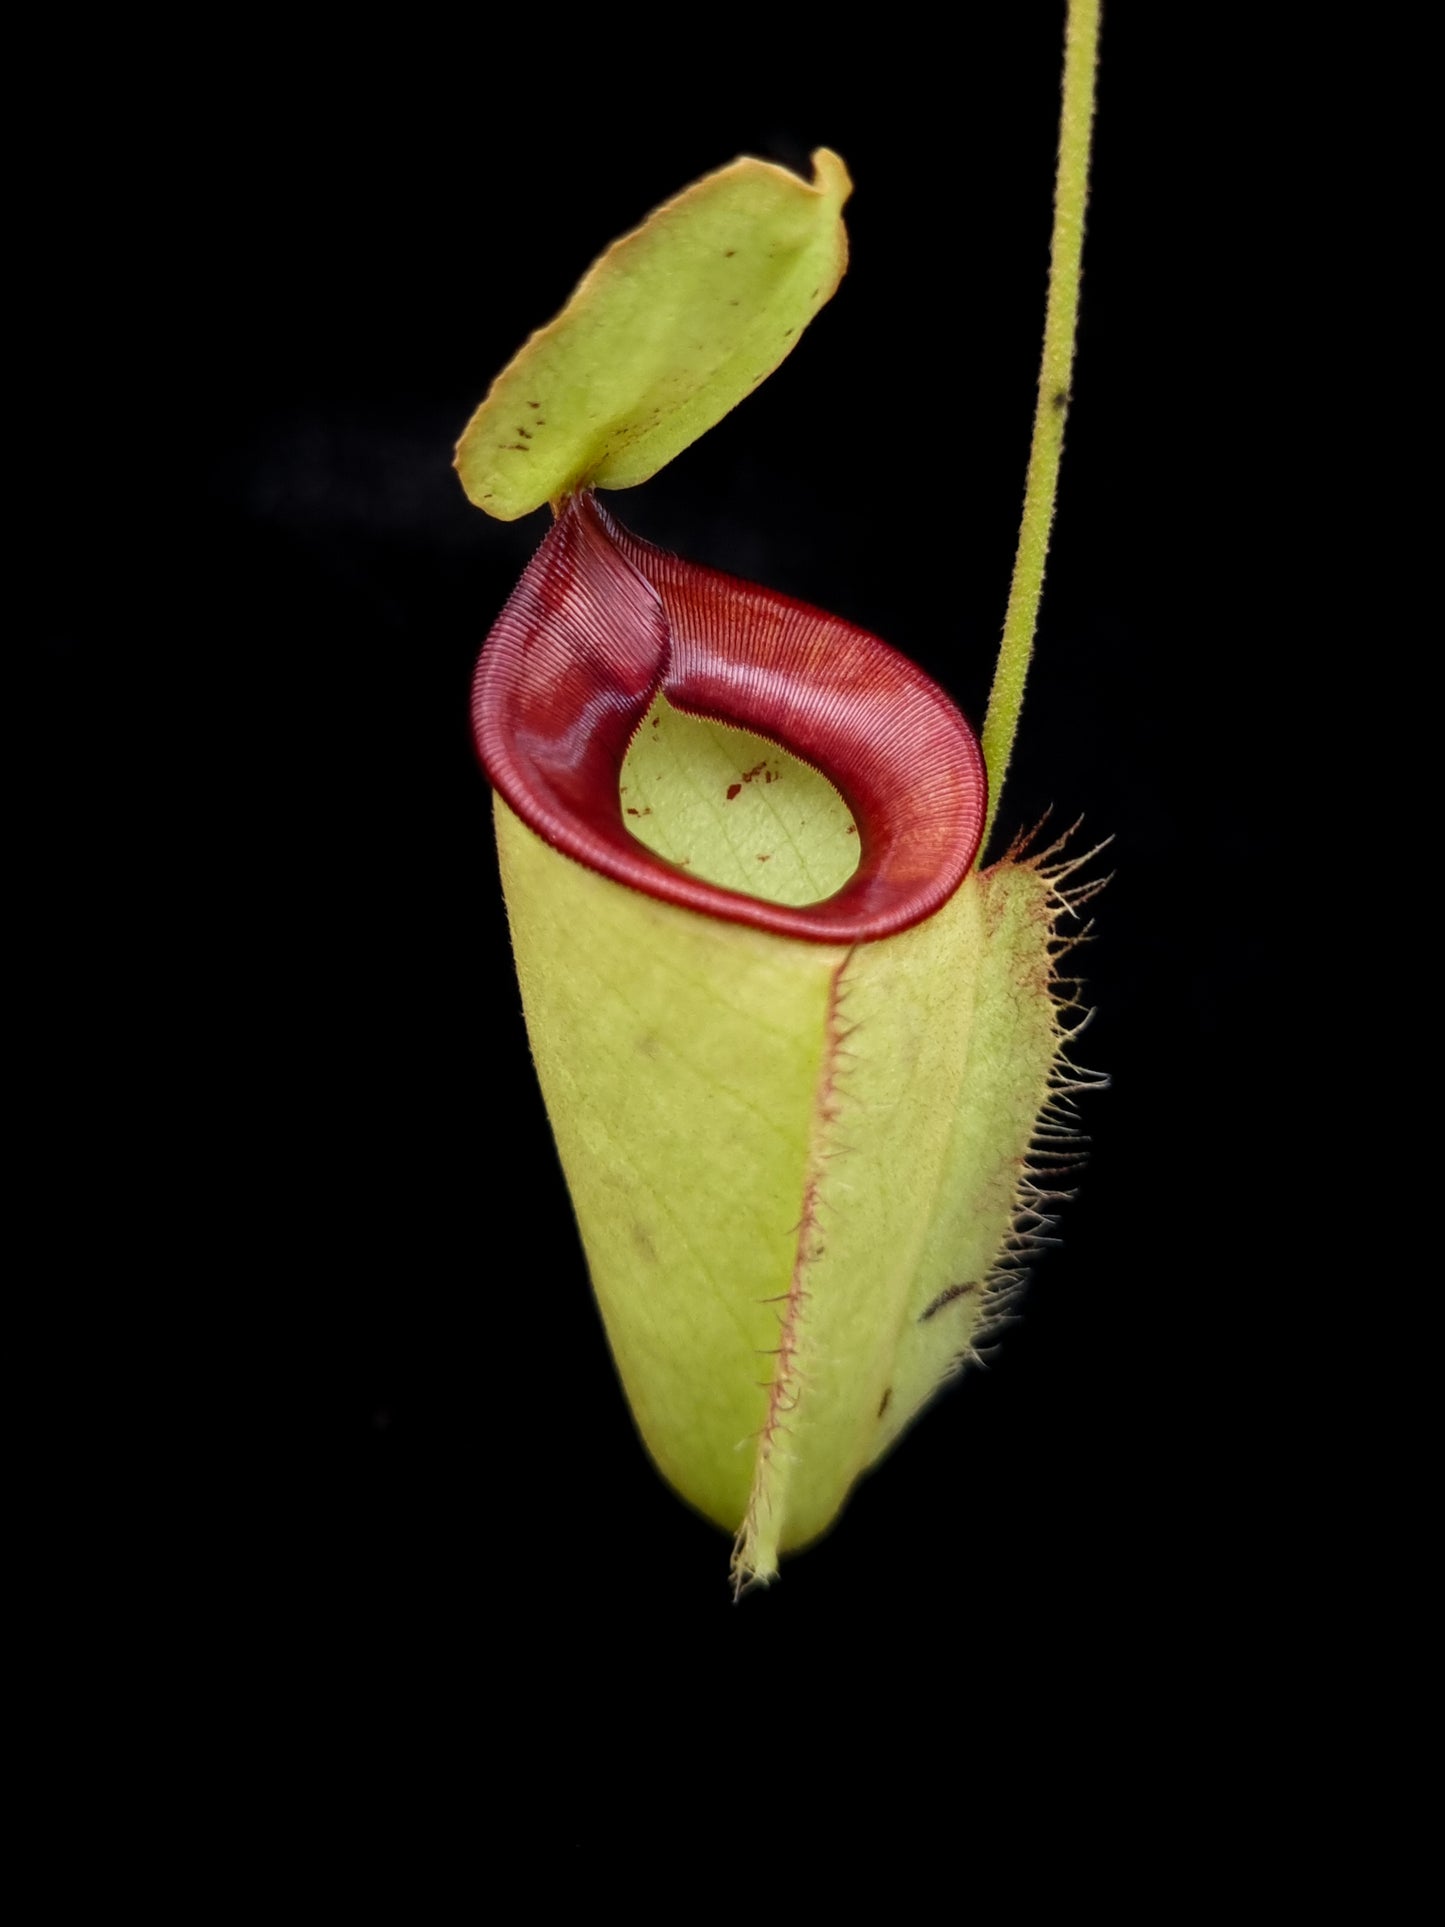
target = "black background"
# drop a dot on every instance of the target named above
(356, 1190)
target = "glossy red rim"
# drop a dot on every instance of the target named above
(600, 621)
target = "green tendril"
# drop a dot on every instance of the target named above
(1081, 42)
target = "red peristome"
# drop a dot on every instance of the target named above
(601, 621)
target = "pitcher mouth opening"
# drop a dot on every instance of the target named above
(601, 622)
